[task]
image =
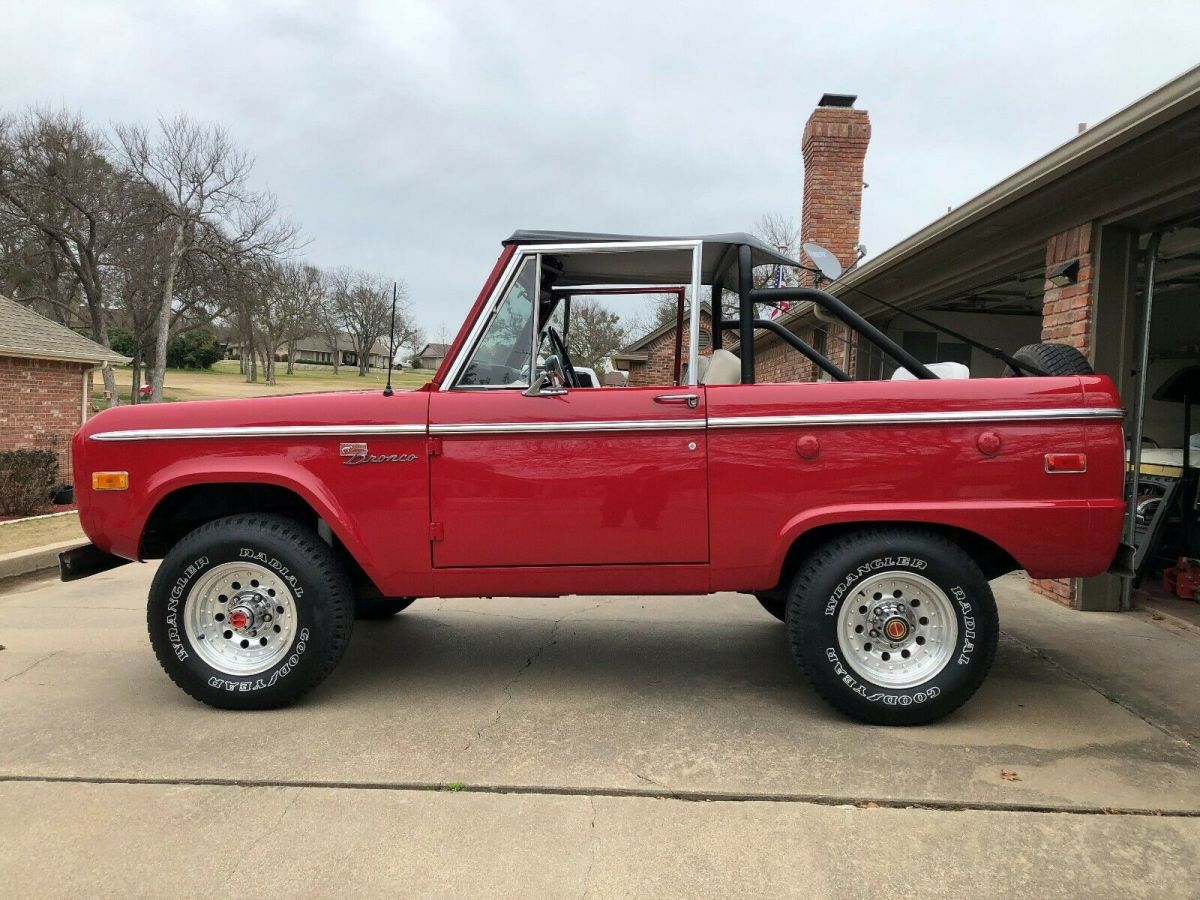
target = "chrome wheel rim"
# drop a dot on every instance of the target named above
(897, 629)
(240, 618)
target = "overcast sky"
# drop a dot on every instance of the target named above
(409, 138)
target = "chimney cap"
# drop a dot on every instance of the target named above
(843, 100)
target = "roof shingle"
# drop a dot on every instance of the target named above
(23, 333)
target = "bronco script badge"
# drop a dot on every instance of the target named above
(357, 455)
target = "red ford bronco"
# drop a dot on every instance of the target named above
(868, 515)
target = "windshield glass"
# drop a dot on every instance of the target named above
(501, 358)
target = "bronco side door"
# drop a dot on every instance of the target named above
(574, 477)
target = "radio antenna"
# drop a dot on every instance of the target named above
(387, 390)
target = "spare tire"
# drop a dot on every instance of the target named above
(1052, 359)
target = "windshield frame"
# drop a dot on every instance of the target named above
(537, 252)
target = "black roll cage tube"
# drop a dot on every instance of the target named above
(746, 323)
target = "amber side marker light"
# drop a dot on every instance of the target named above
(1066, 463)
(110, 481)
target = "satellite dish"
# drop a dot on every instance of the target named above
(823, 260)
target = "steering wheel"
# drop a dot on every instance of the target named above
(560, 350)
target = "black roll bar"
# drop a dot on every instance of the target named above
(746, 311)
(826, 301)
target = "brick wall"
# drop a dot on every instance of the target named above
(41, 406)
(1067, 311)
(1067, 318)
(659, 369)
(834, 147)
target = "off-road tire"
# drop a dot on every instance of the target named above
(1053, 359)
(380, 608)
(774, 602)
(323, 600)
(827, 581)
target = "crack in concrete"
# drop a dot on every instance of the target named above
(649, 780)
(32, 665)
(587, 875)
(550, 641)
(1044, 656)
(263, 835)
(475, 612)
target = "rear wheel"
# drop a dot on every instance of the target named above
(380, 608)
(1053, 359)
(893, 626)
(249, 612)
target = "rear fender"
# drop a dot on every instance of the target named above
(1047, 539)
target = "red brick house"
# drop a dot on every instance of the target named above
(650, 360)
(45, 382)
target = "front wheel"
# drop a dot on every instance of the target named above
(893, 626)
(249, 612)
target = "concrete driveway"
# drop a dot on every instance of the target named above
(591, 746)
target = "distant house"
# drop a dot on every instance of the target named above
(316, 351)
(650, 360)
(431, 356)
(45, 382)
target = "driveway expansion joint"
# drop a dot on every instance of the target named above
(865, 804)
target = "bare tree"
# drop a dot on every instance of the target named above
(201, 181)
(55, 180)
(302, 308)
(406, 333)
(334, 283)
(136, 278)
(595, 333)
(284, 311)
(781, 233)
(34, 271)
(365, 304)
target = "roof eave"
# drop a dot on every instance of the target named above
(1163, 104)
(20, 353)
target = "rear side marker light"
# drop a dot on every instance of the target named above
(1066, 463)
(110, 481)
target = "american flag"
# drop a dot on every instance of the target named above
(783, 305)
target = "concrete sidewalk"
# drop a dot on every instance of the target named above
(607, 746)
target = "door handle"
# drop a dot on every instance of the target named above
(691, 400)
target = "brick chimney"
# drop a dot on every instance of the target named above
(834, 147)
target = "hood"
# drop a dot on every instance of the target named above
(327, 409)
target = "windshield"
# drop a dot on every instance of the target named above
(501, 358)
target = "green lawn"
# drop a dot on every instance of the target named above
(224, 380)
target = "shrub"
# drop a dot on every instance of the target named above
(197, 349)
(26, 479)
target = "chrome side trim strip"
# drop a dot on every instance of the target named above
(547, 427)
(245, 431)
(905, 418)
(914, 418)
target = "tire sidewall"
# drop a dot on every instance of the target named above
(813, 624)
(302, 664)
